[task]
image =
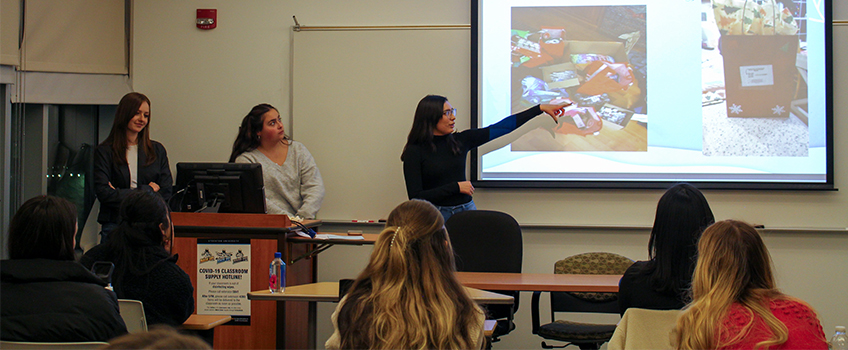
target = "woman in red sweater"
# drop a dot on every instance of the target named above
(735, 304)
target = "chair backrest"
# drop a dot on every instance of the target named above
(598, 263)
(132, 311)
(644, 329)
(16, 345)
(486, 241)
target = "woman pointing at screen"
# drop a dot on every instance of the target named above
(434, 155)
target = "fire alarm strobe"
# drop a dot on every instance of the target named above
(207, 18)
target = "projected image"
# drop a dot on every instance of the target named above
(739, 92)
(594, 56)
(754, 79)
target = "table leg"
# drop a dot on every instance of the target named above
(312, 319)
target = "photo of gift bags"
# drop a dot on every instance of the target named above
(759, 47)
(614, 79)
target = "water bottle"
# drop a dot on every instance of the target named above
(277, 275)
(839, 340)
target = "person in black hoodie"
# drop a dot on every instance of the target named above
(145, 270)
(46, 295)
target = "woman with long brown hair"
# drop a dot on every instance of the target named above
(736, 304)
(129, 159)
(293, 184)
(408, 296)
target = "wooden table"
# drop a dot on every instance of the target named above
(329, 292)
(204, 326)
(197, 322)
(543, 282)
(268, 234)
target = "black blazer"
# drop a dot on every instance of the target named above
(106, 171)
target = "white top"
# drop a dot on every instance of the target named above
(132, 161)
(294, 188)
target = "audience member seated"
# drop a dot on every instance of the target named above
(662, 283)
(158, 337)
(46, 295)
(293, 184)
(408, 296)
(735, 302)
(145, 270)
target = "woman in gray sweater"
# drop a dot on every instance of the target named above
(293, 184)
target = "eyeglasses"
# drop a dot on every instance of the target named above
(448, 112)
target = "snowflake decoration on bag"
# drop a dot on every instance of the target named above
(735, 109)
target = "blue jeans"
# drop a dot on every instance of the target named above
(105, 230)
(448, 211)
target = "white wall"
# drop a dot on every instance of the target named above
(201, 84)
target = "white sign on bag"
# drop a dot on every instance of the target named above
(760, 75)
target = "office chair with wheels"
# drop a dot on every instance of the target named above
(488, 241)
(132, 311)
(584, 335)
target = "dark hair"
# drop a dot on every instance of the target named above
(43, 228)
(127, 109)
(138, 237)
(248, 138)
(682, 215)
(428, 113)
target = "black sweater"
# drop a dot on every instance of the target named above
(434, 175)
(636, 290)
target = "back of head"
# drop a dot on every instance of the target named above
(408, 295)
(158, 337)
(733, 266)
(682, 214)
(247, 138)
(733, 259)
(142, 215)
(43, 227)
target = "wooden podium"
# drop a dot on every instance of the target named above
(267, 234)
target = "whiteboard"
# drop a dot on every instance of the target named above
(354, 97)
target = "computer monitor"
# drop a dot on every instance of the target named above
(219, 187)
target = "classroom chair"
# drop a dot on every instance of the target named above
(488, 241)
(644, 329)
(132, 311)
(584, 335)
(17, 345)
